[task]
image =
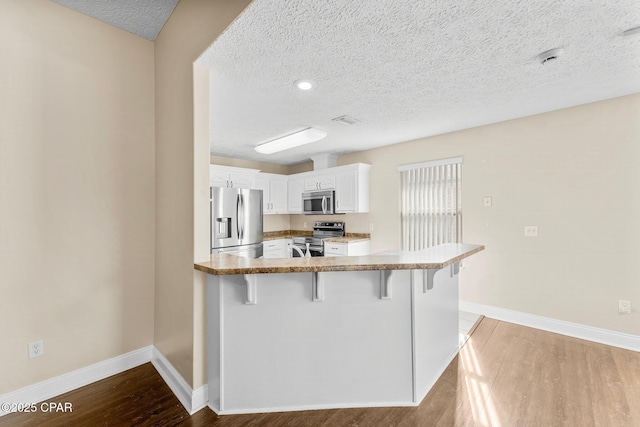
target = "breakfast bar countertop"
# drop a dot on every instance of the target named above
(436, 257)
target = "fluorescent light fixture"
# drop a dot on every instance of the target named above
(305, 84)
(302, 137)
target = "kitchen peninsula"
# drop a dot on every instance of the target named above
(330, 332)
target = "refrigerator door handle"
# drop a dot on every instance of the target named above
(242, 216)
(238, 204)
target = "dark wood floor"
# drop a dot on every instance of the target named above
(505, 375)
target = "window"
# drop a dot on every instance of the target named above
(431, 204)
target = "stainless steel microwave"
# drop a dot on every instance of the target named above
(319, 202)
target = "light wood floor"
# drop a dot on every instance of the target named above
(505, 375)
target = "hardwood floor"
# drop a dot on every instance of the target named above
(505, 375)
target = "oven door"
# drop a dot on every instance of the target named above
(318, 202)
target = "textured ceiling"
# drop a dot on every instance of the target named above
(144, 18)
(409, 68)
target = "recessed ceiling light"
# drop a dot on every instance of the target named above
(305, 84)
(549, 55)
(302, 137)
(631, 32)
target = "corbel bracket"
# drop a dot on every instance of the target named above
(252, 288)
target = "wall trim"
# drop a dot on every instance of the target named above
(575, 330)
(56, 386)
(192, 400)
(318, 407)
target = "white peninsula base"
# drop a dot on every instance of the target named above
(331, 339)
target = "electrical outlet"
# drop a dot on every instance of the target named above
(624, 307)
(371, 227)
(304, 225)
(36, 349)
(487, 202)
(530, 231)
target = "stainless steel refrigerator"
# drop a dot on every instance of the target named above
(236, 221)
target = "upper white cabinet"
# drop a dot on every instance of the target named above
(295, 190)
(231, 177)
(282, 194)
(352, 188)
(274, 192)
(320, 181)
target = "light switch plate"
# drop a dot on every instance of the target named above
(487, 202)
(530, 231)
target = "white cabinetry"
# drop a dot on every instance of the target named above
(352, 188)
(231, 177)
(361, 247)
(320, 181)
(274, 192)
(295, 189)
(276, 248)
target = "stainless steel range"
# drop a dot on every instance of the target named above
(321, 230)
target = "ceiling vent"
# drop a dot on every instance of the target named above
(549, 55)
(346, 120)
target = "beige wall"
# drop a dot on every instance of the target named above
(575, 173)
(192, 27)
(76, 191)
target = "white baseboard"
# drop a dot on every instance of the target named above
(192, 400)
(320, 407)
(576, 330)
(79, 378)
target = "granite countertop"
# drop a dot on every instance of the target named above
(288, 234)
(347, 239)
(436, 257)
(285, 234)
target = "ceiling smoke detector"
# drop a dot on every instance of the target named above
(549, 55)
(346, 120)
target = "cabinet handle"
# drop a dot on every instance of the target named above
(231, 184)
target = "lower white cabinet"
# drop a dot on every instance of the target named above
(276, 248)
(361, 247)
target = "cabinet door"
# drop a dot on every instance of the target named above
(325, 181)
(241, 180)
(218, 178)
(335, 249)
(294, 200)
(311, 184)
(275, 248)
(347, 191)
(278, 190)
(262, 183)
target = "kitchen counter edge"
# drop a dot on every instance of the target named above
(436, 257)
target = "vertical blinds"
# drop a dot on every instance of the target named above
(431, 203)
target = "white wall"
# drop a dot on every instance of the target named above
(76, 191)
